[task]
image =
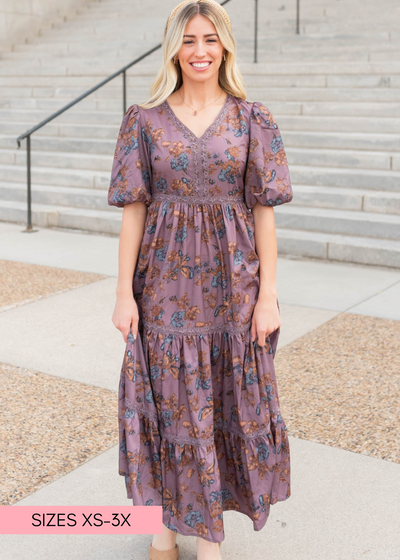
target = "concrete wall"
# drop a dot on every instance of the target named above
(21, 19)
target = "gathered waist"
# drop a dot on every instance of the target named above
(198, 199)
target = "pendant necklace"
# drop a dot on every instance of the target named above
(196, 111)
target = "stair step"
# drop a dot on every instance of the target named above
(46, 215)
(63, 177)
(345, 177)
(345, 222)
(335, 247)
(383, 202)
(63, 160)
(74, 197)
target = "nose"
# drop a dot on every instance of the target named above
(200, 49)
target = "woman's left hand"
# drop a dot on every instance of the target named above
(266, 319)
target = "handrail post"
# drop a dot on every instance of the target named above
(298, 18)
(29, 193)
(255, 30)
(124, 90)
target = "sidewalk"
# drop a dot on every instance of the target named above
(60, 360)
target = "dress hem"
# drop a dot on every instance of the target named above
(256, 526)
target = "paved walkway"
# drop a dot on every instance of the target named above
(344, 502)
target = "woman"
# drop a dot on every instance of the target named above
(200, 425)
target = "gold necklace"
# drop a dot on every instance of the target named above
(196, 111)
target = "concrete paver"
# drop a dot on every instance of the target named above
(385, 303)
(334, 286)
(60, 248)
(70, 335)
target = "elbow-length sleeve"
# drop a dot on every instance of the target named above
(267, 177)
(130, 175)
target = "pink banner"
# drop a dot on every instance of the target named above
(80, 520)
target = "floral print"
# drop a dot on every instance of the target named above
(200, 427)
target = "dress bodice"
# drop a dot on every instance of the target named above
(240, 157)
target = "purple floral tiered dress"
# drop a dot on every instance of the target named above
(200, 427)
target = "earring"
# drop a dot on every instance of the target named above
(224, 57)
(175, 60)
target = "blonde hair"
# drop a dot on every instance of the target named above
(169, 77)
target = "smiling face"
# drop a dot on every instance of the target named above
(201, 53)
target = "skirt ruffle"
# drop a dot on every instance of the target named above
(200, 428)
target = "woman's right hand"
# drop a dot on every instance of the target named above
(126, 315)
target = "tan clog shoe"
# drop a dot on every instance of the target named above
(171, 554)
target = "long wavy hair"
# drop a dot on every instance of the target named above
(169, 76)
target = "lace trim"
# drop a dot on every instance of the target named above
(224, 426)
(228, 327)
(199, 147)
(141, 409)
(198, 199)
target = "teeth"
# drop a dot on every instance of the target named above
(201, 65)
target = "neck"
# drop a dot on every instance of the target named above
(198, 95)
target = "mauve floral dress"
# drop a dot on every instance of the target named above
(200, 428)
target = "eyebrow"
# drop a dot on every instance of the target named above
(208, 35)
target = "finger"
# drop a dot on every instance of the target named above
(134, 328)
(130, 337)
(261, 339)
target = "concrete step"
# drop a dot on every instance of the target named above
(355, 159)
(344, 222)
(318, 29)
(53, 144)
(361, 200)
(374, 143)
(62, 160)
(336, 247)
(74, 197)
(35, 116)
(338, 124)
(63, 129)
(324, 94)
(345, 178)
(51, 176)
(46, 215)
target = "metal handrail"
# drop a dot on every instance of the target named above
(122, 71)
(298, 17)
(255, 29)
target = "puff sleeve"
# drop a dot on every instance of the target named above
(130, 175)
(266, 177)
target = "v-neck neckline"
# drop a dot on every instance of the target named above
(215, 122)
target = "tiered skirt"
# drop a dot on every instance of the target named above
(200, 427)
